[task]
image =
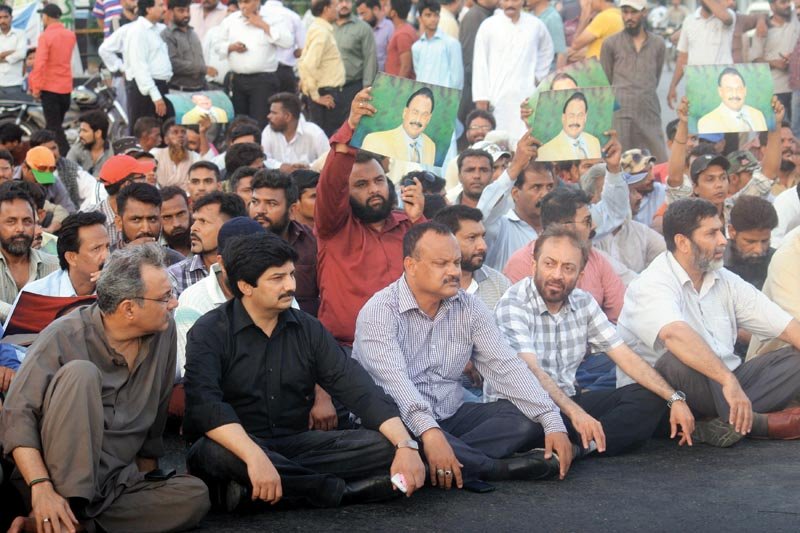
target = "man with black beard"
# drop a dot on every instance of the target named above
(633, 61)
(274, 194)
(19, 263)
(185, 50)
(176, 220)
(138, 218)
(359, 236)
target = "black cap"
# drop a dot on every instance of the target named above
(126, 145)
(705, 161)
(52, 11)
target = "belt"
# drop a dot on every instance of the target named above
(186, 89)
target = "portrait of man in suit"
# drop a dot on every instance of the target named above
(732, 114)
(408, 141)
(204, 107)
(572, 142)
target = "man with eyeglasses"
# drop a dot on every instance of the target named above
(85, 415)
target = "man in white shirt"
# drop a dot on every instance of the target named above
(706, 39)
(251, 42)
(287, 57)
(289, 140)
(205, 15)
(513, 52)
(682, 315)
(13, 47)
(83, 247)
(148, 68)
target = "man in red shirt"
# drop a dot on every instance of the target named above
(359, 234)
(398, 52)
(51, 77)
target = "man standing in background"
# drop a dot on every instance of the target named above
(13, 46)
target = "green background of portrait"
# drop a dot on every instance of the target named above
(389, 96)
(701, 90)
(182, 103)
(547, 118)
(587, 73)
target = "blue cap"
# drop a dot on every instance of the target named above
(236, 227)
(633, 179)
(713, 138)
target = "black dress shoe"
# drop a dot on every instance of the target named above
(529, 465)
(373, 489)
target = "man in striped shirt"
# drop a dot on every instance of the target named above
(415, 338)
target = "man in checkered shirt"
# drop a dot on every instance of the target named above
(552, 326)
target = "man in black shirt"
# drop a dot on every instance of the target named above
(251, 368)
(748, 253)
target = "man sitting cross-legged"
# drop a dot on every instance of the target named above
(251, 366)
(551, 324)
(681, 315)
(415, 338)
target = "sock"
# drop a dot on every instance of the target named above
(760, 428)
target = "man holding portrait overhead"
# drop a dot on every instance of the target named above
(572, 142)
(732, 114)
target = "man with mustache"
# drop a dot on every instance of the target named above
(407, 142)
(19, 263)
(749, 252)
(552, 326)
(138, 218)
(682, 315)
(251, 366)
(357, 230)
(572, 142)
(274, 194)
(176, 220)
(209, 213)
(732, 114)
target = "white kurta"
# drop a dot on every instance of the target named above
(508, 61)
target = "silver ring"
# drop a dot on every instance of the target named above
(448, 473)
(361, 104)
(45, 520)
(439, 472)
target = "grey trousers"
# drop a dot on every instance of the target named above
(72, 442)
(770, 381)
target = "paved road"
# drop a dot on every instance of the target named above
(752, 486)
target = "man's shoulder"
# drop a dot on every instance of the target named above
(176, 269)
(45, 258)
(386, 298)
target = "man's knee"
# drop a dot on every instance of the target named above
(80, 374)
(194, 495)
(206, 456)
(526, 428)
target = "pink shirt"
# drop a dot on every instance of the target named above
(599, 278)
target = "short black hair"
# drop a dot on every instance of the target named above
(452, 215)
(365, 156)
(144, 125)
(290, 103)
(433, 204)
(5, 8)
(141, 192)
(561, 204)
(241, 172)
(242, 155)
(97, 121)
(168, 193)
(10, 132)
(432, 5)
(472, 152)
(401, 7)
(5, 154)
(318, 6)
(417, 231)
(208, 165)
(672, 129)
(68, 235)
(243, 130)
(247, 257)
(178, 3)
(422, 91)
(304, 179)
(169, 123)
(275, 179)
(684, 216)
(23, 190)
(480, 113)
(41, 137)
(143, 5)
(230, 204)
(557, 231)
(753, 212)
(576, 96)
(730, 71)
(536, 167)
(371, 4)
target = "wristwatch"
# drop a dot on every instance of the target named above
(410, 443)
(677, 396)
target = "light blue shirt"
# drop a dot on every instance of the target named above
(555, 26)
(437, 60)
(651, 204)
(506, 232)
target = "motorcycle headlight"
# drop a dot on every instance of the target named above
(83, 96)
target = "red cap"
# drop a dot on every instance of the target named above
(119, 167)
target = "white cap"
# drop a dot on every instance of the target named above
(638, 5)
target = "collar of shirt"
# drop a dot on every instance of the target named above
(382, 24)
(537, 304)
(34, 256)
(65, 287)
(242, 320)
(407, 302)
(437, 35)
(215, 293)
(54, 26)
(197, 263)
(146, 23)
(709, 279)
(296, 232)
(118, 360)
(324, 23)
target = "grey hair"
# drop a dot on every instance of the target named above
(589, 179)
(121, 278)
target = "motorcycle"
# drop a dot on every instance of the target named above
(95, 93)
